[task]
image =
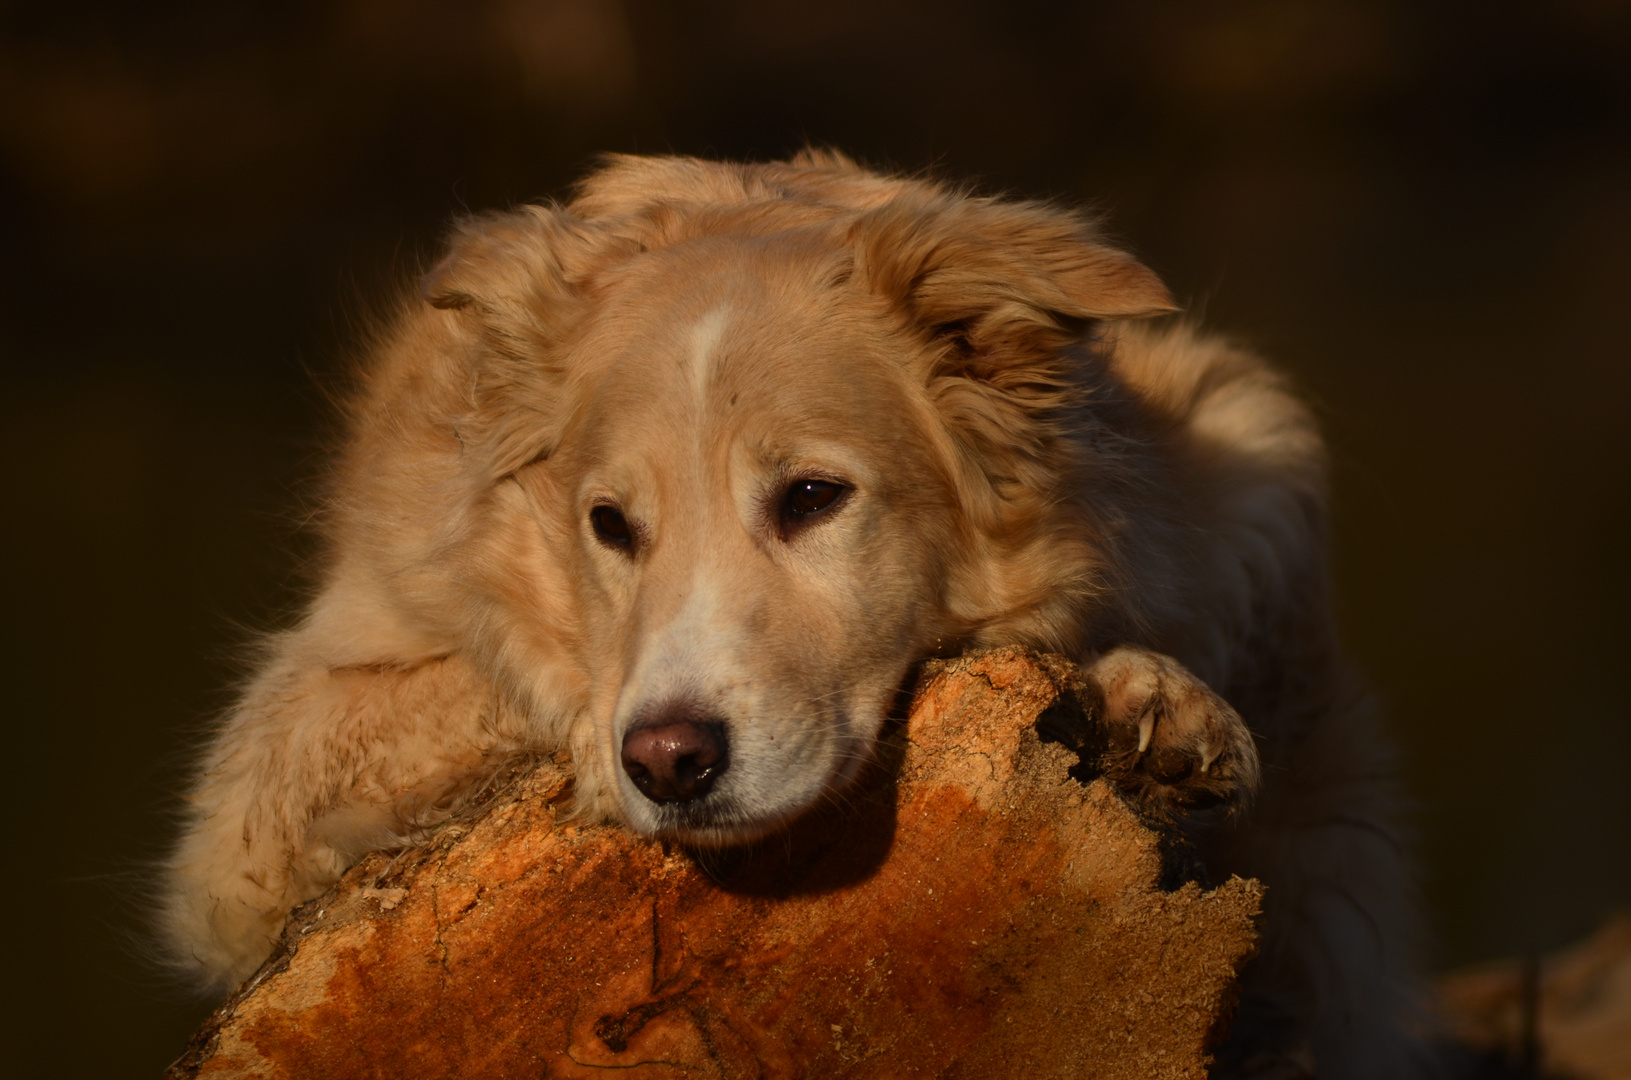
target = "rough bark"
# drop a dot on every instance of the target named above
(970, 910)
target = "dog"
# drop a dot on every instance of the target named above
(685, 475)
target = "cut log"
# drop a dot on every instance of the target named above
(970, 910)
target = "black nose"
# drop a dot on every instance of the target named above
(676, 760)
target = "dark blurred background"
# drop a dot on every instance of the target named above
(1421, 209)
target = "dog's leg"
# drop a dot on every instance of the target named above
(1171, 744)
(1335, 979)
(315, 767)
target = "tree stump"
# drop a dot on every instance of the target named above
(970, 910)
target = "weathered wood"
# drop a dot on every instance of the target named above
(970, 911)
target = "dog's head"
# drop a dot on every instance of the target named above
(736, 446)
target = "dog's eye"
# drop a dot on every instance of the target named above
(612, 527)
(807, 498)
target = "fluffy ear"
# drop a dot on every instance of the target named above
(1008, 280)
(516, 282)
(1000, 292)
(1002, 295)
(513, 268)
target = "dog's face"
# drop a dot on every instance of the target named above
(758, 504)
(748, 469)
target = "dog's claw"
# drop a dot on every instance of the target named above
(1193, 751)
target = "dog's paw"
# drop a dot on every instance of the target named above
(1172, 745)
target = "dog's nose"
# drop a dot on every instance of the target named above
(676, 761)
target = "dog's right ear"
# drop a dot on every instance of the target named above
(515, 286)
(510, 268)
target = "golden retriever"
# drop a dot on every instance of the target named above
(684, 476)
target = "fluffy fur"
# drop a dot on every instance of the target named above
(1020, 458)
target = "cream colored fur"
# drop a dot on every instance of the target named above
(1024, 462)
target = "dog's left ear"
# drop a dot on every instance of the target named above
(1000, 294)
(1008, 280)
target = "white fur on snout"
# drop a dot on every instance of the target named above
(786, 746)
